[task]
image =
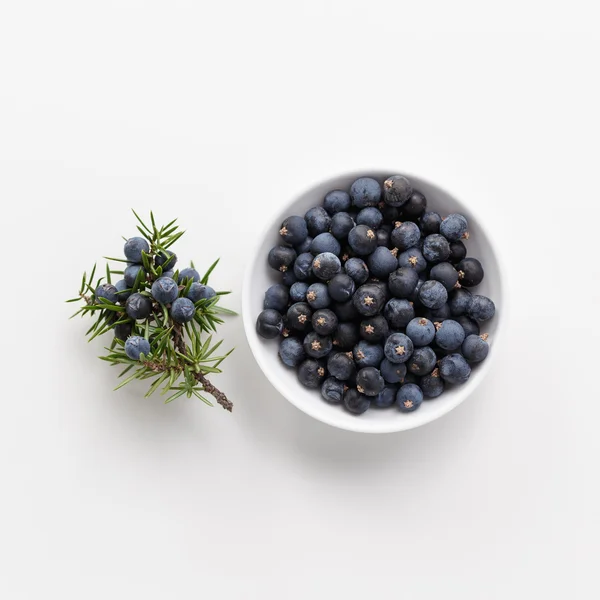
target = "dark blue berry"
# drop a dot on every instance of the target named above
(298, 291)
(449, 335)
(365, 192)
(138, 306)
(454, 227)
(341, 366)
(357, 269)
(199, 291)
(289, 278)
(346, 336)
(341, 287)
(303, 266)
(332, 391)
(280, 258)
(324, 321)
(123, 291)
(318, 221)
(317, 296)
(304, 246)
(131, 274)
(475, 348)
(457, 252)
(311, 373)
(412, 259)
(392, 372)
(317, 346)
(165, 290)
(325, 242)
(398, 312)
(337, 201)
(135, 346)
(299, 316)
(370, 216)
(374, 329)
(422, 361)
(438, 314)
(170, 273)
(396, 190)
(369, 300)
(345, 311)
(471, 327)
(123, 331)
(436, 248)
(383, 236)
(191, 273)
(459, 302)
(405, 236)
(134, 247)
(341, 225)
(446, 274)
(409, 397)
(165, 259)
(398, 348)
(415, 206)
(454, 369)
(108, 292)
(326, 265)
(433, 294)
(432, 385)
(387, 397)
(470, 272)
(403, 282)
(183, 310)
(276, 297)
(421, 331)
(369, 381)
(355, 402)
(291, 351)
(362, 240)
(269, 324)
(367, 355)
(294, 230)
(382, 262)
(481, 308)
(430, 223)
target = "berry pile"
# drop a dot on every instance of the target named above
(373, 307)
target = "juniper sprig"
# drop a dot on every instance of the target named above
(182, 353)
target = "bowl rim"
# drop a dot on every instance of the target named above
(359, 425)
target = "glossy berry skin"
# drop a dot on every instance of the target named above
(367, 355)
(183, 310)
(332, 391)
(457, 252)
(345, 311)
(317, 296)
(304, 246)
(317, 346)
(438, 314)
(138, 306)
(446, 274)
(409, 397)
(294, 230)
(398, 312)
(311, 373)
(398, 348)
(375, 329)
(355, 402)
(396, 190)
(386, 398)
(291, 352)
(326, 265)
(325, 242)
(432, 385)
(422, 361)
(337, 201)
(134, 247)
(167, 260)
(430, 223)
(453, 227)
(357, 269)
(364, 192)
(317, 220)
(135, 346)
(130, 274)
(370, 216)
(280, 258)
(383, 236)
(341, 287)
(470, 327)
(369, 381)
(165, 290)
(341, 225)
(123, 331)
(341, 366)
(475, 348)
(298, 292)
(415, 207)
(382, 262)
(346, 336)
(402, 282)
(269, 324)
(392, 372)
(470, 272)
(459, 302)
(362, 239)
(412, 259)
(276, 297)
(481, 308)
(303, 266)
(369, 300)
(288, 278)
(324, 321)
(405, 236)
(421, 331)
(188, 273)
(433, 294)
(436, 248)
(199, 291)
(449, 335)
(454, 369)
(299, 316)
(108, 292)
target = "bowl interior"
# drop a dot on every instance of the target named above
(260, 276)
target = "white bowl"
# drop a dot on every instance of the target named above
(259, 276)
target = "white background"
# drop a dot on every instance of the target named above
(214, 112)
